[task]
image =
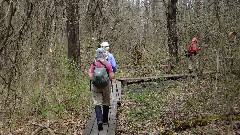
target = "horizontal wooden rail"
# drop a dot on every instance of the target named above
(126, 81)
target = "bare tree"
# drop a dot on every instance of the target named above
(73, 31)
(95, 19)
(171, 11)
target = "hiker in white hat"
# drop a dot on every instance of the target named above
(109, 56)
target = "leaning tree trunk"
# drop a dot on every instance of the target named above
(73, 32)
(171, 9)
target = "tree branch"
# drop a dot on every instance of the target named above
(6, 13)
(164, 4)
(28, 13)
(11, 13)
(42, 127)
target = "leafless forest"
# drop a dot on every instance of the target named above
(46, 47)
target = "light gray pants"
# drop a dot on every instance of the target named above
(193, 63)
(101, 96)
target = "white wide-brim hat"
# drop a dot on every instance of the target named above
(104, 44)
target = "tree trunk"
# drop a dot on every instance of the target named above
(172, 32)
(146, 24)
(73, 32)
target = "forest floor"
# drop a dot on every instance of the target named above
(191, 106)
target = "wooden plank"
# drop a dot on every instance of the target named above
(113, 111)
(116, 91)
(119, 89)
(167, 76)
(104, 131)
(113, 119)
(110, 129)
(89, 125)
(95, 128)
(113, 92)
(155, 78)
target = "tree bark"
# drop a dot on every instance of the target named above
(171, 9)
(73, 32)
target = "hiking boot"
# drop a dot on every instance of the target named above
(100, 125)
(105, 114)
(190, 71)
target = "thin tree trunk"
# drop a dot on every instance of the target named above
(171, 9)
(73, 32)
(96, 19)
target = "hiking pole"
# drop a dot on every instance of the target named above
(90, 97)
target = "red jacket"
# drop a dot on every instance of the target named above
(192, 47)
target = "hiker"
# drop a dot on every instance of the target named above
(101, 86)
(109, 56)
(191, 54)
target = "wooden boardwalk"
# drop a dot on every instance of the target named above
(110, 129)
(126, 81)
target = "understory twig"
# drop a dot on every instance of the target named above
(42, 127)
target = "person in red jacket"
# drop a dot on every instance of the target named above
(191, 53)
(192, 47)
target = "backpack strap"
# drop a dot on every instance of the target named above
(103, 63)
